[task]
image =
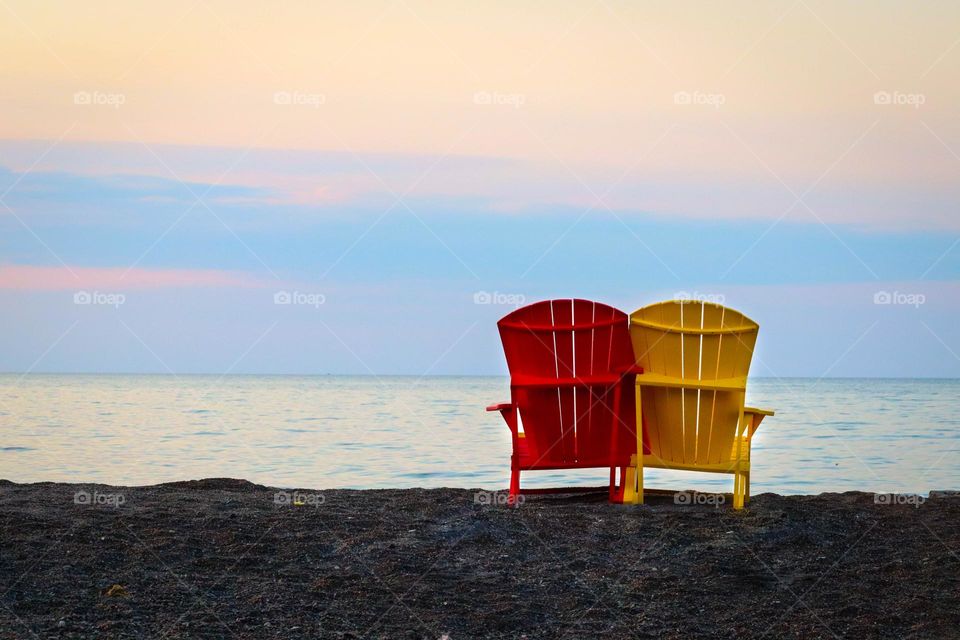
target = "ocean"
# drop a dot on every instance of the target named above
(325, 432)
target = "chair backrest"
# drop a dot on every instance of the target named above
(692, 345)
(565, 358)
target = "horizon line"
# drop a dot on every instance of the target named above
(167, 374)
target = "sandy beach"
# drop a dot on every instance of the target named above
(219, 558)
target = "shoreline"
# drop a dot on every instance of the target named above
(221, 557)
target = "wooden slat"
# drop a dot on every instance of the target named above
(563, 343)
(710, 353)
(522, 380)
(691, 315)
(707, 407)
(585, 406)
(669, 382)
(725, 414)
(746, 343)
(712, 317)
(671, 343)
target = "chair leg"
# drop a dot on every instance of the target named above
(514, 487)
(623, 485)
(638, 458)
(639, 471)
(633, 483)
(629, 485)
(618, 491)
(746, 488)
(737, 491)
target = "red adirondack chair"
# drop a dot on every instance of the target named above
(572, 373)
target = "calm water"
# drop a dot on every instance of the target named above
(364, 432)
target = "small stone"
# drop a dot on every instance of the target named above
(62, 624)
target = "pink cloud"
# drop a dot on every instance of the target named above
(28, 277)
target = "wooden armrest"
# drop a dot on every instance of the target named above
(508, 411)
(757, 416)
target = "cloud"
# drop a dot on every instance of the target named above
(91, 176)
(70, 278)
(79, 172)
(80, 189)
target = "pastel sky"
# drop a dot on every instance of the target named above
(410, 171)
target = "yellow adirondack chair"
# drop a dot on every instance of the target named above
(690, 399)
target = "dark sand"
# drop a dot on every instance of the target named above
(218, 558)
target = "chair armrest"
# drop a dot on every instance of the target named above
(632, 370)
(756, 416)
(508, 411)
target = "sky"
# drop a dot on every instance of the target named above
(365, 188)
